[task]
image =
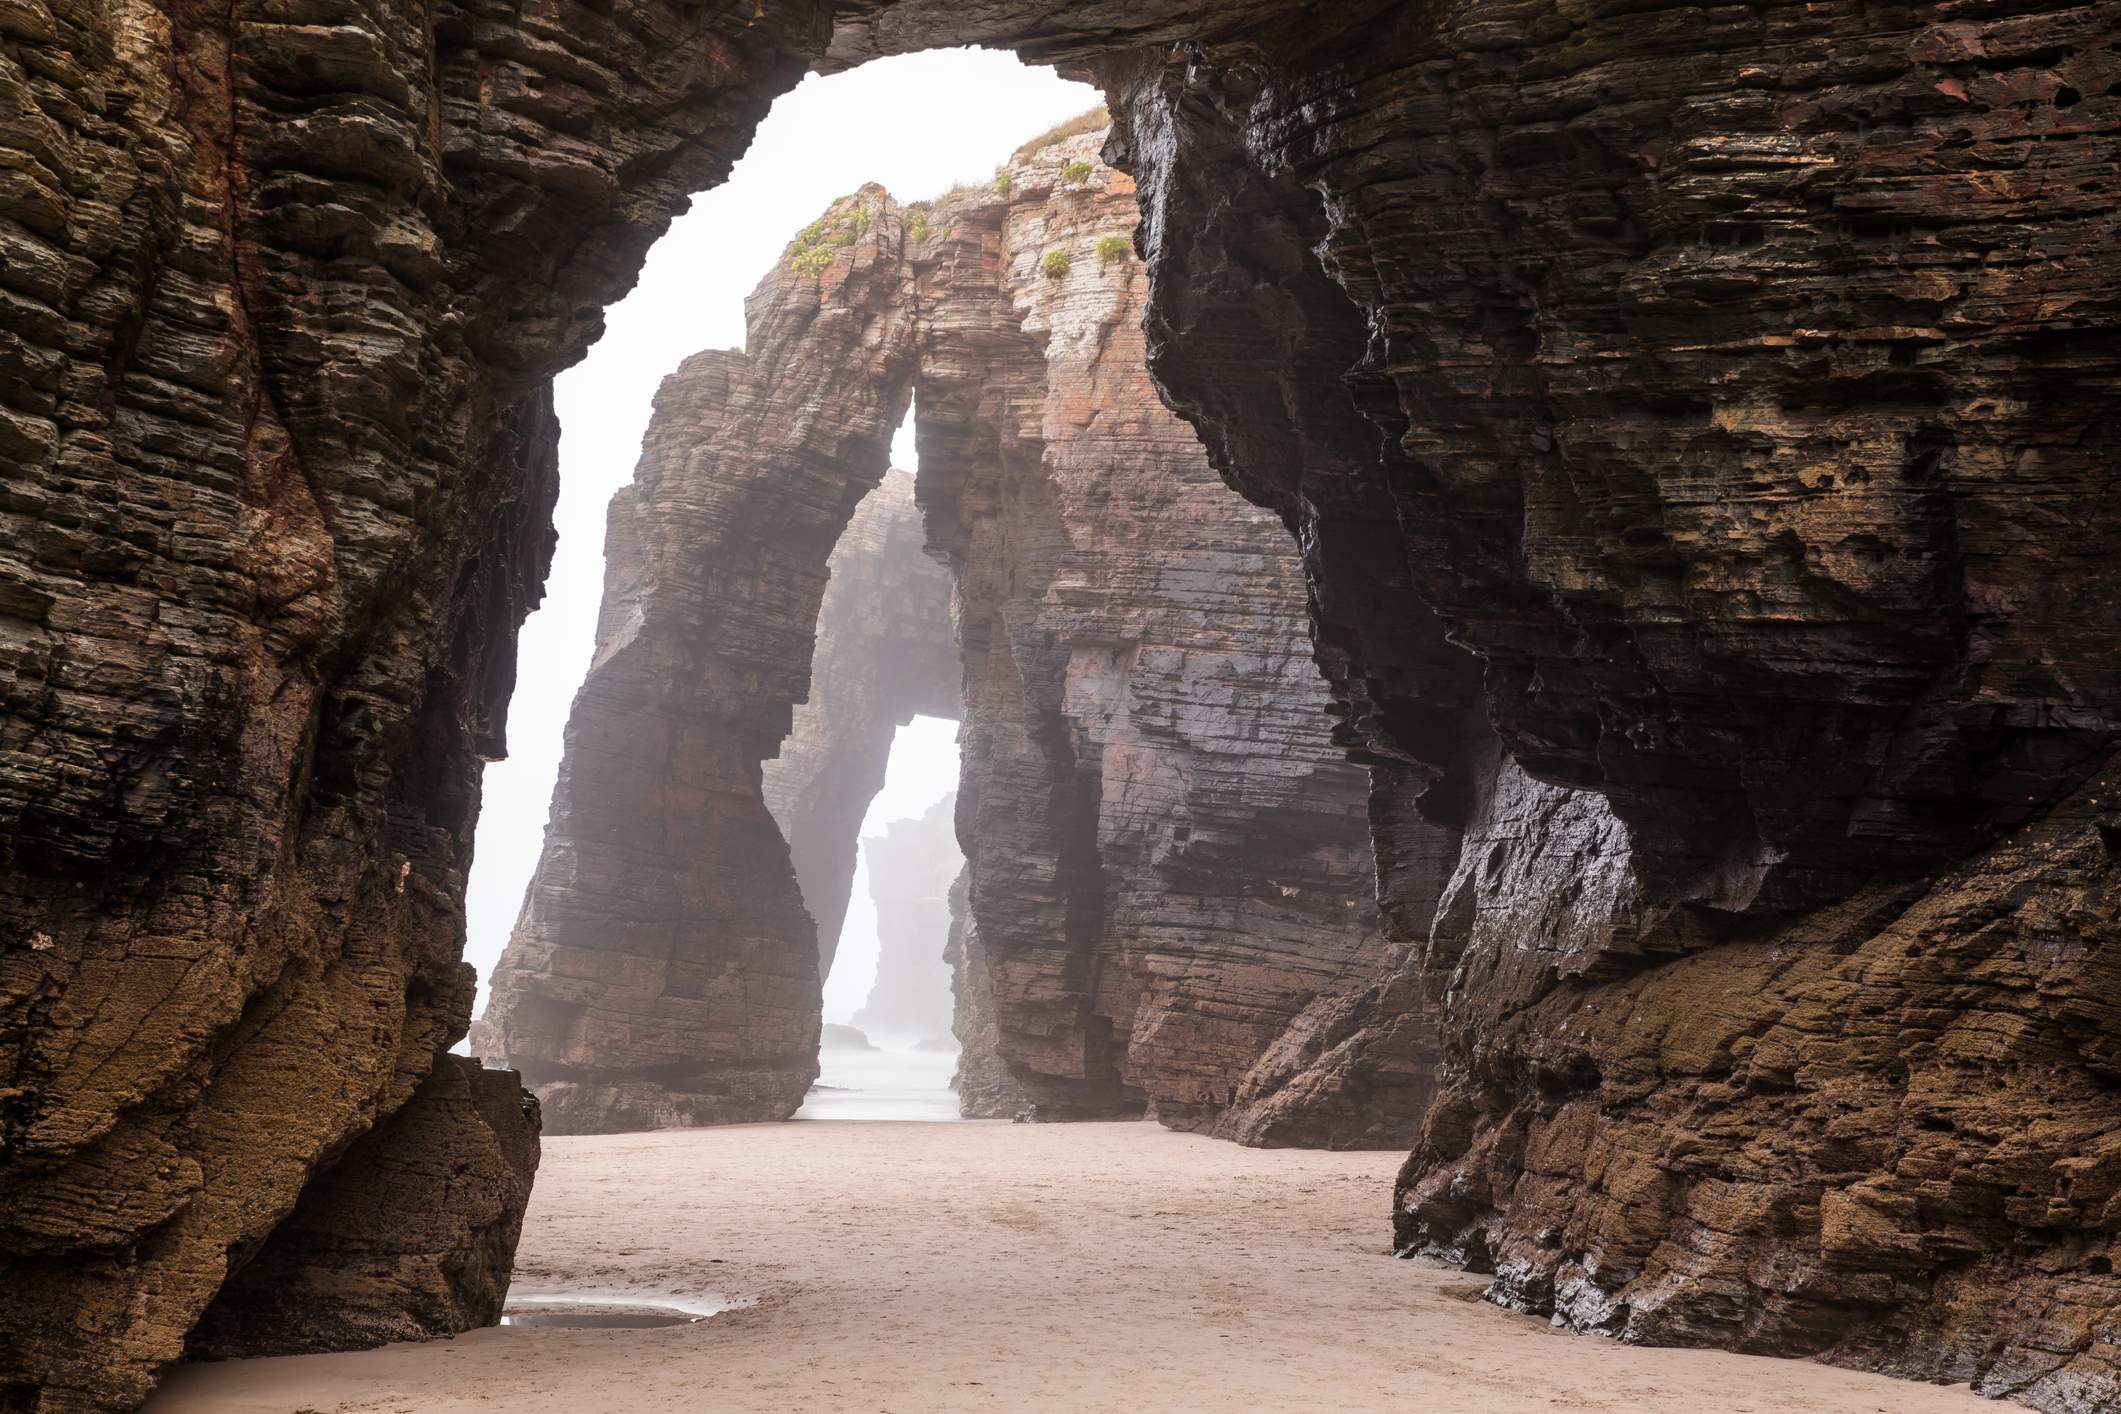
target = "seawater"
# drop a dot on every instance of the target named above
(883, 1084)
(586, 1310)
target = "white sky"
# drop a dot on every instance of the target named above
(917, 124)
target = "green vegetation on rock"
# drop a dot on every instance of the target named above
(1111, 248)
(1076, 172)
(1056, 263)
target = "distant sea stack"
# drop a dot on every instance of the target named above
(912, 866)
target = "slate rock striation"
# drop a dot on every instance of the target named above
(1696, 425)
(886, 653)
(1169, 862)
(1170, 866)
(411, 1235)
(664, 970)
(283, 297)
(1738, 391)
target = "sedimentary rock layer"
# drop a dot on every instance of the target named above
(886, 653)
(411, 1235)
(985, 1088)
(1736, 384)
(1739, 389)
(913, 865)
(664, 970)
(282, 298)
(1170, 864)
(1169, 861)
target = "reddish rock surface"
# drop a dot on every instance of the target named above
(1169, 862)
(411, 1235)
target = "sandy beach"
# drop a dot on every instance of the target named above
(914, 1268)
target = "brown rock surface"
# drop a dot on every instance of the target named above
(1168, 860)
(664, 970)
(886, 653)
(1739, 390)
(282, 297)
(411, 1235)
(1736, 384)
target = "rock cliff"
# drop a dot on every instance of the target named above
(886, 653)
(1169, 863)
(913, 866)
(410, 1235)
(1696, 425)
(1170, 866)
(1735, 391)
(664, 970)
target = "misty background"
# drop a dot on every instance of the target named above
(918, 124)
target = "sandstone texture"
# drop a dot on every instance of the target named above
(913, 865)
(886, 653)
(664, 970)
(410, 1235)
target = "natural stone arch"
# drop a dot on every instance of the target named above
(292, 294)
(1151, 802)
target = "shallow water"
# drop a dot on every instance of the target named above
(883, 1084)
(597, 1311)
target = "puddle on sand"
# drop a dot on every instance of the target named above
(582, 1311)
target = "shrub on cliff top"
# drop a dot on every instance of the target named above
(917, 225)
(1056, 263)
(1089, 122)
(1001, 183)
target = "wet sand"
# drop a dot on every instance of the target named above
(916, 1268)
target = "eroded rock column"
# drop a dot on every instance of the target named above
(664, 970)
(1170, 871)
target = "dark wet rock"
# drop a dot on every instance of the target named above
(1707, 410)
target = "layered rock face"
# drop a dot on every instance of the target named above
(1735, 384)
(913, 866)
(1739, 392)
(1168, 860)
(886, 653)
(283, 296)
(985, 1088)
(411, 1235)
(664, 970)
(1170, 871)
